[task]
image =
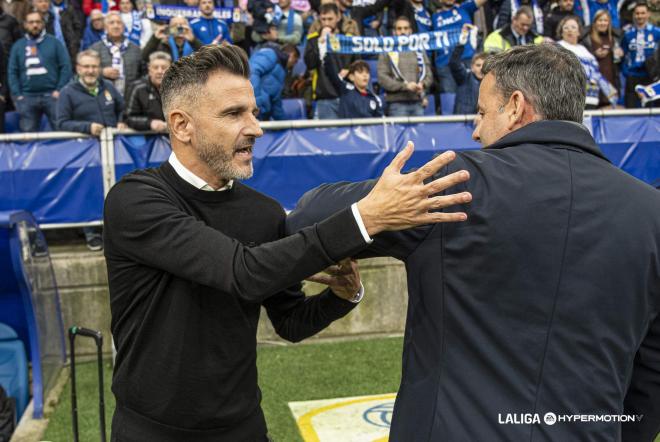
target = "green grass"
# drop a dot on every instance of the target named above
(286, 374)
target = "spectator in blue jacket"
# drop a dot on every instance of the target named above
(356, 99)
(268, 68)
(638, 44)
(207, 28)
(39, 68)
(468, 81)
(94, 29)
(89, 103)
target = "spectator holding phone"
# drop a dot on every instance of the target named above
(176, 39)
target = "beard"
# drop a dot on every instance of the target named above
(221, 162)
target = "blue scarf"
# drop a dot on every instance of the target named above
(187, 49)
(424, 41)
(648, 93)
(136, 28)
(57, 22)
(33, 63)
(596, 82)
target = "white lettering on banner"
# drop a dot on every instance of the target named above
(388, 44)
(403, 41)
(552, 418)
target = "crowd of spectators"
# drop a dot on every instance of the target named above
(83, 70)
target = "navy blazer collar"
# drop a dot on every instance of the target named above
(556, 132)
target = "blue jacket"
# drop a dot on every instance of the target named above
(467, 90)
(352, 103)
(54, 58)
(90, 36)
(208, 29)
(635, 57)
(77, 109)
(267, 75)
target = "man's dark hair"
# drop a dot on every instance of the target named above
(358, 66)
(183, 80)
(642, 4)
(291, 49)
(401, 18)
(549, 76)
(328, 7)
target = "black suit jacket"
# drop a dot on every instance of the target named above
(537, 304)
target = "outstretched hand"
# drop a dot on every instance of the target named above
(343, 278)
(401, 201)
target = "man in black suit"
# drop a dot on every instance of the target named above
(533, 309)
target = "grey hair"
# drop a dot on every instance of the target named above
(87, 53)
(112, 13)
(160, 55)
(183, 80)
(550, 77)
(524, 10)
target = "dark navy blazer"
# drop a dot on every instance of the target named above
(539, 303)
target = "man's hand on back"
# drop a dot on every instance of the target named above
(401, 201)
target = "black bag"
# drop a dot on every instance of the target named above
(7, 415)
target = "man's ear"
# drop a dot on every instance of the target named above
(181, 125)
(519, 110)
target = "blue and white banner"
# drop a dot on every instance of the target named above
(426, 41)
(165, 13)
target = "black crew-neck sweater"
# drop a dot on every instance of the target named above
(188, 271)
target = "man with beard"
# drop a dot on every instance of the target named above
(537, 305)
(193, 254)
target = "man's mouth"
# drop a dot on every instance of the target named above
(244, 152)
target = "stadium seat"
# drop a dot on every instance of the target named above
(294, 108)
(13, 368)
(447, 103)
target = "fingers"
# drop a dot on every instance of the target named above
(440, 202)
(401, 158)
(320, 278)
(433, 166)
(447, 181)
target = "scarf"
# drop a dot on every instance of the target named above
(135, 32)
(421, 66)
(55, 12)
(116, 51)
(538, 13)
(187, 49)
(33, 63)
(648, 93)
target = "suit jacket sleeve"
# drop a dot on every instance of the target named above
(644, 390)
(327, 199)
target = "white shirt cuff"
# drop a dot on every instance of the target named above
(358, 296)
(360, 223)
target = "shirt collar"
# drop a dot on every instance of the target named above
(193, 179)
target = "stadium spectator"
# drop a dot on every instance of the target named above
(17, 9)
(587, 10)
(207, 28)
(346, 25)
(405, 76)
(89, 103)
(468, 81)
(289, 29)
(269, 65)
(144, 110)
(137, 28)
(451, 17)
(509, 8)
(563, 8)
(39, 68)
(325, 94)
(601, 40)
(177, 39)
(10, 32)
(596, 84)
(94, 29)
(654, 9)
(518, 33)
(64, 20)
(121, 59)
(3, 88)
(638, 43)
(356, 99)
(416, 12)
